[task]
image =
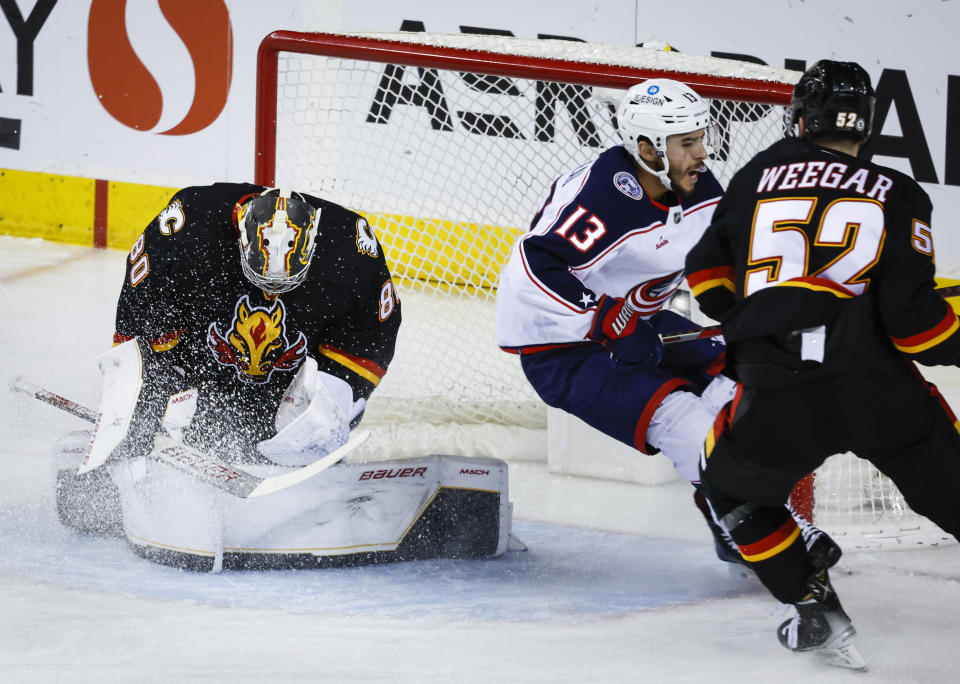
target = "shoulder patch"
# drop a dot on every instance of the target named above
(628, 185)
(171, 219)
(366, 240)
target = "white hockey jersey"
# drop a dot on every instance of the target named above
(598, 233)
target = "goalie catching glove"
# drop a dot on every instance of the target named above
(629, 337)
(314, 418)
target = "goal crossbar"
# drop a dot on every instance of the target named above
(767, 86)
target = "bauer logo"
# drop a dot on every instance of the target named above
(200, 463)
(391, 473)
(256, 342)
(129, 91)
(628, 185)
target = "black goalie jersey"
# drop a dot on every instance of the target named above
(804, 237)
(185, 293)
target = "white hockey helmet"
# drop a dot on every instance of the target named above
(657, 109)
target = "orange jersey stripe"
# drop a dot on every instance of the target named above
(161, 344)
(819, 285)
(932, 337)
(166, 342)
(365, 368)
(709, 278)
(722, 422)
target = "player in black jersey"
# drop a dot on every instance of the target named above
(231, 292)
(820, 268)
(253, 324)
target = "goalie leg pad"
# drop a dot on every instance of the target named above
(351, 514)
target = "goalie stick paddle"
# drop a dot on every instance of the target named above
(714, 330)
(194, 462)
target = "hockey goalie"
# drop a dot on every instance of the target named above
(252, 327)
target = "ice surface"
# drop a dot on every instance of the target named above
(619, 585)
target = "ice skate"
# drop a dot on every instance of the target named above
(822, 627)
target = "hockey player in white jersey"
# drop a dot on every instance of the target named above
(582, 297)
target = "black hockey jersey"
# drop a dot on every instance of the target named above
(806, 236)
(185, 293)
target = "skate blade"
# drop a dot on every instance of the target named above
(843, 656)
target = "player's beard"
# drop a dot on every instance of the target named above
(681, 191)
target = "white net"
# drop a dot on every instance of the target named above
(863, 509)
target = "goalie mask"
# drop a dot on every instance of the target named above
(833, 97)
(278, 230)
(656, 109)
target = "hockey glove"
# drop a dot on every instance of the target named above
(317, 420)
(629, 338)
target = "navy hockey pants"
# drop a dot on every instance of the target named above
(619, 401)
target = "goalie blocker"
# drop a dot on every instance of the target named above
(352, 514)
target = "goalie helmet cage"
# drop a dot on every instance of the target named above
(448, 144)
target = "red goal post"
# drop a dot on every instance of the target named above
(447, 144)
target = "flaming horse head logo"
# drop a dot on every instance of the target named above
(256, 343)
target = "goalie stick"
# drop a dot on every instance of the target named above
(204, 467)
(714, 330)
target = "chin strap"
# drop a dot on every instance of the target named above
(662, 175)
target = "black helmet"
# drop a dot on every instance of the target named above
(278, 230)
(833, 97)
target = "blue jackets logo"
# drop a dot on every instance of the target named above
(628, 185)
